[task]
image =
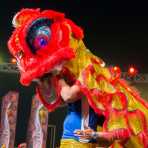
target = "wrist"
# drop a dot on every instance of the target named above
(94, 135)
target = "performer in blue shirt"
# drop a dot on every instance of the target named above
(80, 117)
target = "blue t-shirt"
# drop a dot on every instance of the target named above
(80, 115)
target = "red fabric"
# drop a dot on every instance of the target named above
(51, 106)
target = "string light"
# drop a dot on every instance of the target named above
(132, 71)
(13, 61)
(116, 68)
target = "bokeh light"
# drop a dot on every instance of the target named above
(132, 71)
(13, 61)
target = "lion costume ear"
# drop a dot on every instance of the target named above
(22, 16)
(76, 30)
(58, 16)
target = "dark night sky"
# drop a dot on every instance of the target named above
(117, 31)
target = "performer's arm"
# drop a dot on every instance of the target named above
(121, 134)
(69, 93)
(104, 138)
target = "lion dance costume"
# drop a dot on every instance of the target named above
(45, 40)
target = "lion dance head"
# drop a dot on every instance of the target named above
(41, 42)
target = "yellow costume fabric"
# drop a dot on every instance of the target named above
(70, 143)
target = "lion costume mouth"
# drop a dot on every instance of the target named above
(44, 67)
(48, 91)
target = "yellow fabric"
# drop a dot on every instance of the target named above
(135, 123)
(91, 73)
(134, 142)
(116, 103)
(97, 103)
(3, 146)
(116, 144)
(78, 66)
(116, 121)
(133, 104)
(70, 143)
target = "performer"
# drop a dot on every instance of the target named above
(80, 116)
(80, 125)
(46, 44)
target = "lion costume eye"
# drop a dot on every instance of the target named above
(39, 34)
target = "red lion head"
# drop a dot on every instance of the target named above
(41, 42)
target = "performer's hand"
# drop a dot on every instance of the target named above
(84, 134)
(104, 139)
